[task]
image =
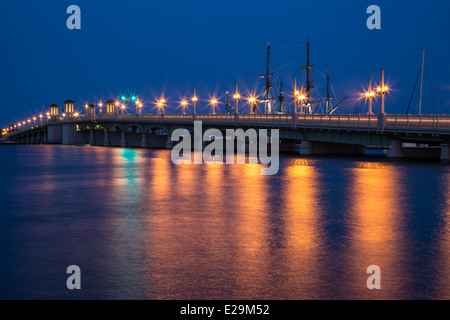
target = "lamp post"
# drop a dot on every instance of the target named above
(214, 102)
(237, 97)
(382, 90)
(184, 104)
(161, 102)
(252, 100)
(194, 101)
(301, 97)
(369, 95)
(295, 94)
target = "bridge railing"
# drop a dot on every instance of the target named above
(348, 120)
(418, 121)
(272, 118)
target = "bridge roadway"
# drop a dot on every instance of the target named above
(317, 133)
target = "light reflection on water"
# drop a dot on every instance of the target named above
(141, 227)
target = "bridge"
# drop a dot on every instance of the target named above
(403, 135)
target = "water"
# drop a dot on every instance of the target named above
(141, 227)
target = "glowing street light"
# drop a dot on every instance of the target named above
(382, 89)
(194, 101)
(214, 102)
(184, 104)
(236, 97)
(139, 106)
(161, 102)
(253, 101)
(370, 94)
(295, 94)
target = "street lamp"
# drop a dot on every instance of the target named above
(252, 100)
(194, 100)
(161, 102)
(237, 96)
(214, 102)
(383, 89)
(370, 94)
(295, 94)
(184, 104)
(138, 106)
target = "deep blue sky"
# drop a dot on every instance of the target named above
(149, 46)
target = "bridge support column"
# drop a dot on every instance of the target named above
(144, 141)
(396, 150)
(445, 151)
(92, 137)
(106, 141)
(306, 148)
(169, 143)
(123, 140)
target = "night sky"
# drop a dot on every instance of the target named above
(145, 47)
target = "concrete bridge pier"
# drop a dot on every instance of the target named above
(68, 132)
(54, 134)
(396, 150)
(144, 141)
(445, 151)
(106, 140)
(169, 143)
(305, 148)
(91, 138)
(123, 139)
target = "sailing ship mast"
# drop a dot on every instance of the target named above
(421, 83)
(309, 84)
(268, 76)
(328, 94)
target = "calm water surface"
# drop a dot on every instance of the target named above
(141, 227)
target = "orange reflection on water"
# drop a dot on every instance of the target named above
(376, 209)
(303, 231)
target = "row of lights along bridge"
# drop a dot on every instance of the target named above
(120, 104)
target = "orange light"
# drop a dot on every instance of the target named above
(237, 96)
(34, 118)
(194, 98)
(76, 114)
(184, 102)
(296, 93)
(117, 103)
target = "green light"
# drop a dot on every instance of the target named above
(123, 98)
(133, 98)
